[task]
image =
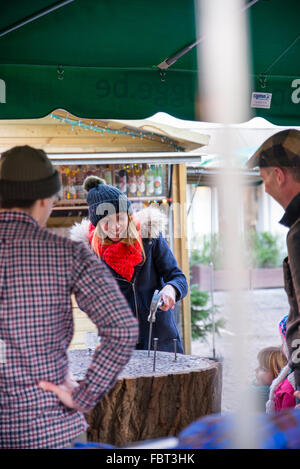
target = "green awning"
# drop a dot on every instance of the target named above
(275, 47)
(98, 59)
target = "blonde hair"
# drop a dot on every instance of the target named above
(272, 359)
(100, 238)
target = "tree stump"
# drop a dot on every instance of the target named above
(146, 404)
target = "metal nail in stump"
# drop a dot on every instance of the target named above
(155, 350)
(175, 348)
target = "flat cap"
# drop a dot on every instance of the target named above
(282, 149)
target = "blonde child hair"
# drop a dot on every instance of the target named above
(272, 359)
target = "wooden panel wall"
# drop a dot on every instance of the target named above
(56, 137)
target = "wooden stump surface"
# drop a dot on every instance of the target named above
(146, 405)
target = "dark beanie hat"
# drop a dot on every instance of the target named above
(104, 200)
(26, 173)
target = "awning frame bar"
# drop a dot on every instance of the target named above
(116, 158)
(34, 17)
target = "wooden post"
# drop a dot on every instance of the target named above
(180, 245)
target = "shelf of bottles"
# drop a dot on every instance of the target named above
(142, 183)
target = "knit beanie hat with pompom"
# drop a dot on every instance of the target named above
(104, 200)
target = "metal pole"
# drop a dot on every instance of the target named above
(34, 17)
(211, 264)
(212, 308)
(155, 350)
(150, 338)
(175, 348)
(171, 60)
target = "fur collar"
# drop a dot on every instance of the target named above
(151, 219)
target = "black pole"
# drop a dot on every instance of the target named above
(171, 60)
(34, 17)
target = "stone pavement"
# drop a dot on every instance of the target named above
(266, 309)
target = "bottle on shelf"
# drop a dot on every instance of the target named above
(67, 178)
(72, 184)
(123, 180)
(98, 170)
(88, 171)
(79, 180)
(64, 181)
(141, 181)
(116, 176)
(108, 175)
(149, 181)
(132, 181)
(157, 180)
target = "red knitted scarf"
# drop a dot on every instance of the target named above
(121, 257)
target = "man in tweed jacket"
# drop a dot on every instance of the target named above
(39, 271)
(279, 161)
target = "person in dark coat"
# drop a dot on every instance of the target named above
(278, 159)
(134, 250)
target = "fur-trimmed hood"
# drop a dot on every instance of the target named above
(151, 219)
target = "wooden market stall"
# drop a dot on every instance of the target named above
(72, 142)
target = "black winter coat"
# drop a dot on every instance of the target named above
(160, 268)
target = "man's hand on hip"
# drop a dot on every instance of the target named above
(62, 391)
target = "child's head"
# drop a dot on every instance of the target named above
(271, 360)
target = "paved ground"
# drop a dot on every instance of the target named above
(266, 309)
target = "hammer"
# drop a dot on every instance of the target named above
(156, 303)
